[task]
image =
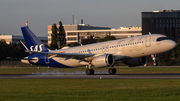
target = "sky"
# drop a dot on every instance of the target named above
(104, 13)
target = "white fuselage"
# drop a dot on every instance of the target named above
(121, 49)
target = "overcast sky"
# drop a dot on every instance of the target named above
(105, 13)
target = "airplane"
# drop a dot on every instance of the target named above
(131, 51)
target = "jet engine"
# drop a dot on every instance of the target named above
(136, 61)
(103, 61)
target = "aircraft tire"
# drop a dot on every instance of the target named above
(112, 71)
(156, 63)
(89, 71)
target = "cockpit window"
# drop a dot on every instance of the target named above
(162, 38)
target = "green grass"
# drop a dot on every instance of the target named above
(89, 90)
(122, 70)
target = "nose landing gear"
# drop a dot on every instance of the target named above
(154, 60)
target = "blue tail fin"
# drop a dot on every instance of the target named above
(32, 42)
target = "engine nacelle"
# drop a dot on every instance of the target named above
(103, 61)
(136, 61)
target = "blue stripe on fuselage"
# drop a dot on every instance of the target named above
(50, 62)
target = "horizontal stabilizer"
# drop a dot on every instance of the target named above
(23, 45)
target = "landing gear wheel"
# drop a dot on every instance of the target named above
(112, 71)
(89, 71)
(156, 63)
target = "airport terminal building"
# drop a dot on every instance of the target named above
(76, 33)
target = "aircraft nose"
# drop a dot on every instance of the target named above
(172, 44)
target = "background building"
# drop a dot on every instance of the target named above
(165, 22)
(78, 35)
(16, 38)
(75, 33)
(74, 28)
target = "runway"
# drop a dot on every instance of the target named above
(97, 76)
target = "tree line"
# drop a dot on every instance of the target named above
(58, 35)
(11, 50)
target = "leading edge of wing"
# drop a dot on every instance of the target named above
(61, 54)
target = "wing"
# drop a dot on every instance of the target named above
(51, 54)
(67, 55)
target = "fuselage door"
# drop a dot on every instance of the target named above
(46, 59)
(148, 41)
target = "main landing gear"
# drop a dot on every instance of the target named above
(91, 71)
(112, 71)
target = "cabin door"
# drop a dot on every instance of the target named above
(148, 41)
(46, 59)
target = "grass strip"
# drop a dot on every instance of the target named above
(89, 89)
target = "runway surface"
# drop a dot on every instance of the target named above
(97, 76)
